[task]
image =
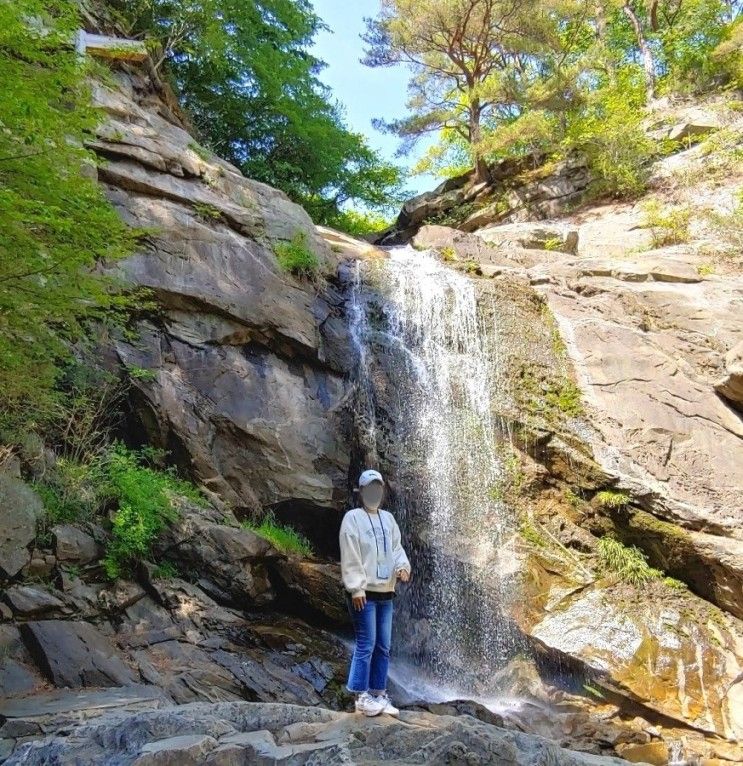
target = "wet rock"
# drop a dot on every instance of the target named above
(75, 654)
(670, 651)
(73, 546)
(20, 509)
(273, 733)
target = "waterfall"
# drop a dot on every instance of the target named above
(425, 387)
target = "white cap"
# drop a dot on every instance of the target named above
(368, 477)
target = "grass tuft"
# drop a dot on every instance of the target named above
(282, 537)
(628, 562)
(296, 257)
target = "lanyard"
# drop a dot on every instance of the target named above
(384, 536)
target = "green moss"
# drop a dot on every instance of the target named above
(553, 243)
(282, 537)
(566, 397)
(531, 534)
(296, 257)
(612, 499)
(207, 212)
(448, 254)
(165, 570)
(200, 151)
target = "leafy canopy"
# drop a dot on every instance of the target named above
(529, 78)
(244, 73)
(55, 224)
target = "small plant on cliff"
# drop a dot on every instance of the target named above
(296, 256)
(612, 499)
(628, 562)
(207, 212)
(448, 254)
(282, 537)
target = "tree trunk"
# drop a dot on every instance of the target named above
(601, 37)
(475, 135)
(646, 53)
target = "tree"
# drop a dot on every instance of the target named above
(243, 71)
(470, 59)
(55, 224)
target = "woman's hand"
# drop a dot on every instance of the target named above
(359, 602)
(403, 575)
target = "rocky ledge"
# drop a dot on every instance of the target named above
(231, 734)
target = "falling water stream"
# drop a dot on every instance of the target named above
(424, 415)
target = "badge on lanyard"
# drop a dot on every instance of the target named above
(384, 571)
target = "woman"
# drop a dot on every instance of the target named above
(372, 560)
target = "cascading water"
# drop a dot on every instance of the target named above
(426, 384)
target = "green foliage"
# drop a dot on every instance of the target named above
(244, 72)
(296, 257)
(355, 223)
(55, 224)
(607, 130)
(68, 492)
(628, 563)
(207, 212)
(669, 225)
(728, 229)
(566, 397)
(282, 537)
(612, 499)
(165, 570)
(144, 498)
(531, 534)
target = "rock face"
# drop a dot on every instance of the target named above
(75, 654)
(20, 509)
(517, 191)
(242, 378)
(243, 733)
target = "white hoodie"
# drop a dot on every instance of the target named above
(359, 551)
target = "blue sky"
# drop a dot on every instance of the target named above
(365, 93)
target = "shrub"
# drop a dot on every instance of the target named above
(144, 499)
(728, 228)
(282, 537)
(628, 562)
(669, 225)
(608, 132)
(296, 256)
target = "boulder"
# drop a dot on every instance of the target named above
(221, 734)
(20, 509)
(29, 600)
(731, 385)
(73, 546)
(660, 646)
(539, 236)
(75, 654)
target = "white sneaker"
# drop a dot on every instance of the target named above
(369, 705)
(388, 708)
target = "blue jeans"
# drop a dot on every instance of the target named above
(371, 654)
